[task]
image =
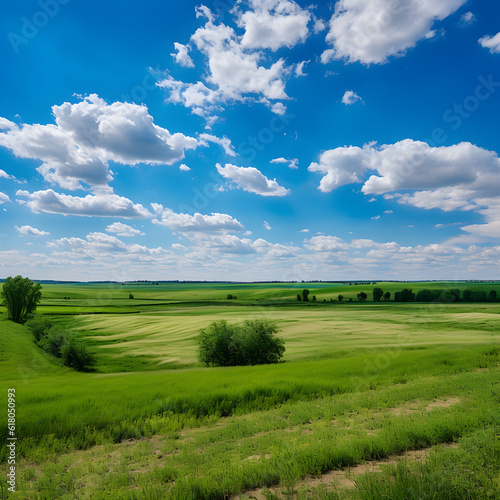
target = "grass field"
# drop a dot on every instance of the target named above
(360, 383)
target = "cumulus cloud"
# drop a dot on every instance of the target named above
(371, 32)
(350, 97)
(376, 217)
(3, 198)
(324, 243)
(184, 168)
(251, 180)
(237, 68)
(99, 205)
(31, 231)
(194, 223)
(272, 24)
(457, 177)
(89, 134)
(101, 246)
(290, 163)
(491, 42)
(123, 229)
(181, 56)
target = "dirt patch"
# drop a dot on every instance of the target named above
(442, 403)
(341, 478)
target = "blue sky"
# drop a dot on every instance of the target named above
(250, 140)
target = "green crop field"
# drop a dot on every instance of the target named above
(372, 400)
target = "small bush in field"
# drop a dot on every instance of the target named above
(252, 343)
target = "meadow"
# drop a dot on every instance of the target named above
(372, 400)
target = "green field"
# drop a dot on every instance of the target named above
(361, 383)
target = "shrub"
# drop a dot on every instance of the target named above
(39, 326)
(493, 295)
(362, 296)
(305, 295)
(299, 298)
(130, 295)
(229, 296)
(53, 341)
(340, 297)
(252, 343)
(75, 355)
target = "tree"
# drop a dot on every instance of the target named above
(314, 298)
(377, 294)
(305, 295)
(252, 343)
(362, 296)
(130, 295)
(299, 297)
(20, 296)
(493, 295)
(387, 296)
(340, 297)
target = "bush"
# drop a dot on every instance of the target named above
(75, 355)
(53, 341)
(130, 295)
(39, 326)
(252, 343)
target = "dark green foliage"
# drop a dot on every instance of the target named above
(377, 294)
(252, 343)
(387, 296)
(362, 296)
(314, 298)
(438, 295)
(305, 295)
(60, 344)
(38, 326)
(20, 296)
(340, 297)
(229, 296)
(473, 296)
(493, 295)
(405, 295)
(75, 355)
(53, 341)
(299, 297)
(130, 295)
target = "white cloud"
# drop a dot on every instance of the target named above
(236, 71)
(372, 200)
(370, 32)
(194, 223)
(184, 168)
(5, 175)
(325, 244)
(224, 142)
(123, 229)
(299, 68)
(99, 205)
(267, 225)
(291, 163)
(491, 42)
(3, 198)
(350, 97)
(376, 217)
(88, 135)
(458, 177)
(31, 231)
(304, 231)
(467, 18)
(178, 246)
(252, 180)
(181, 56)
(273, 24)
(388, 212)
